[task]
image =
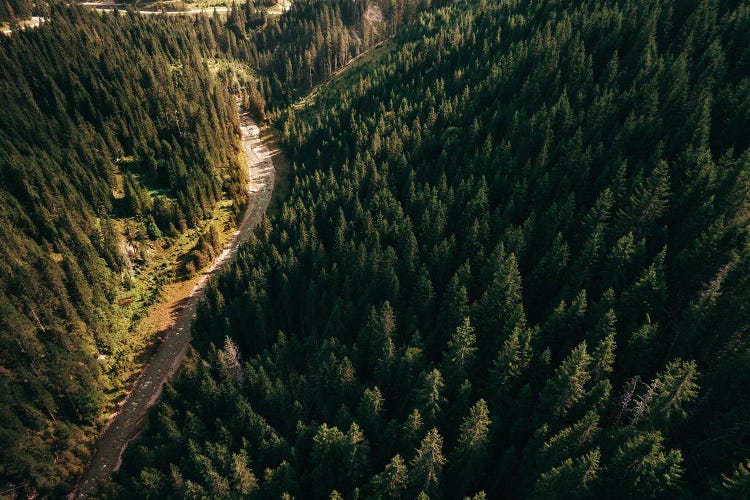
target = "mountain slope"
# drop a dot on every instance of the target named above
(514, 260)
(103, 119)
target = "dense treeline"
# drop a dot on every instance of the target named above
(87, 99)
(14, 10)
(305, 46)
(514, 260)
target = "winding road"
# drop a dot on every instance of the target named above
(124, 425)
(110, 5)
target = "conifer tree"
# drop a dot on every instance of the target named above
(568, 385)
(468, 458)
(392, 482)
(425, 471)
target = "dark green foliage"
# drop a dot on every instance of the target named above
(79, 93)
(572, 177)
(735, 485)
(206, 248)
(307, 45)
(15, 10)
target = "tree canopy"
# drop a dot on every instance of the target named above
(513, 262)
(91, 105)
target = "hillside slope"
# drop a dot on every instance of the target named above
(106, 122)
(514, 259)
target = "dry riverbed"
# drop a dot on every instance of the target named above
(179, 310)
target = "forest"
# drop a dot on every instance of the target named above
(513, 263)
(88, 103)
(15, 10)
(514, 260)
(117, 131)
(293, 53)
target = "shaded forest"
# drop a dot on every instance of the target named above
(513, 263)
(85, 100)
(307, 45)
(14, 10)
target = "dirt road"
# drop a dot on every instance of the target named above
(206, 10)
(110, 5)
(125, 424)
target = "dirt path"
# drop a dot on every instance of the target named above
(125, 424)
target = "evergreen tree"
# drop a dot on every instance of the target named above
(471, 451)
(426, 467)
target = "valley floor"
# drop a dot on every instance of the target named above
(179, 308)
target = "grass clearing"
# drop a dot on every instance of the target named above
(151, 289)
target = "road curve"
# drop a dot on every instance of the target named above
(125, 424)
(111, 5)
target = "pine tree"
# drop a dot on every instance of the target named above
(459, 358)
(500, 309)
(370, 411)
(430, 395)
(572, 478)
(426, 467)
(641, 467)
(569, 442)
(392, 482)
(469, 456)
(736, 485)
(568, 385)
(675, 387)
(243, 479)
